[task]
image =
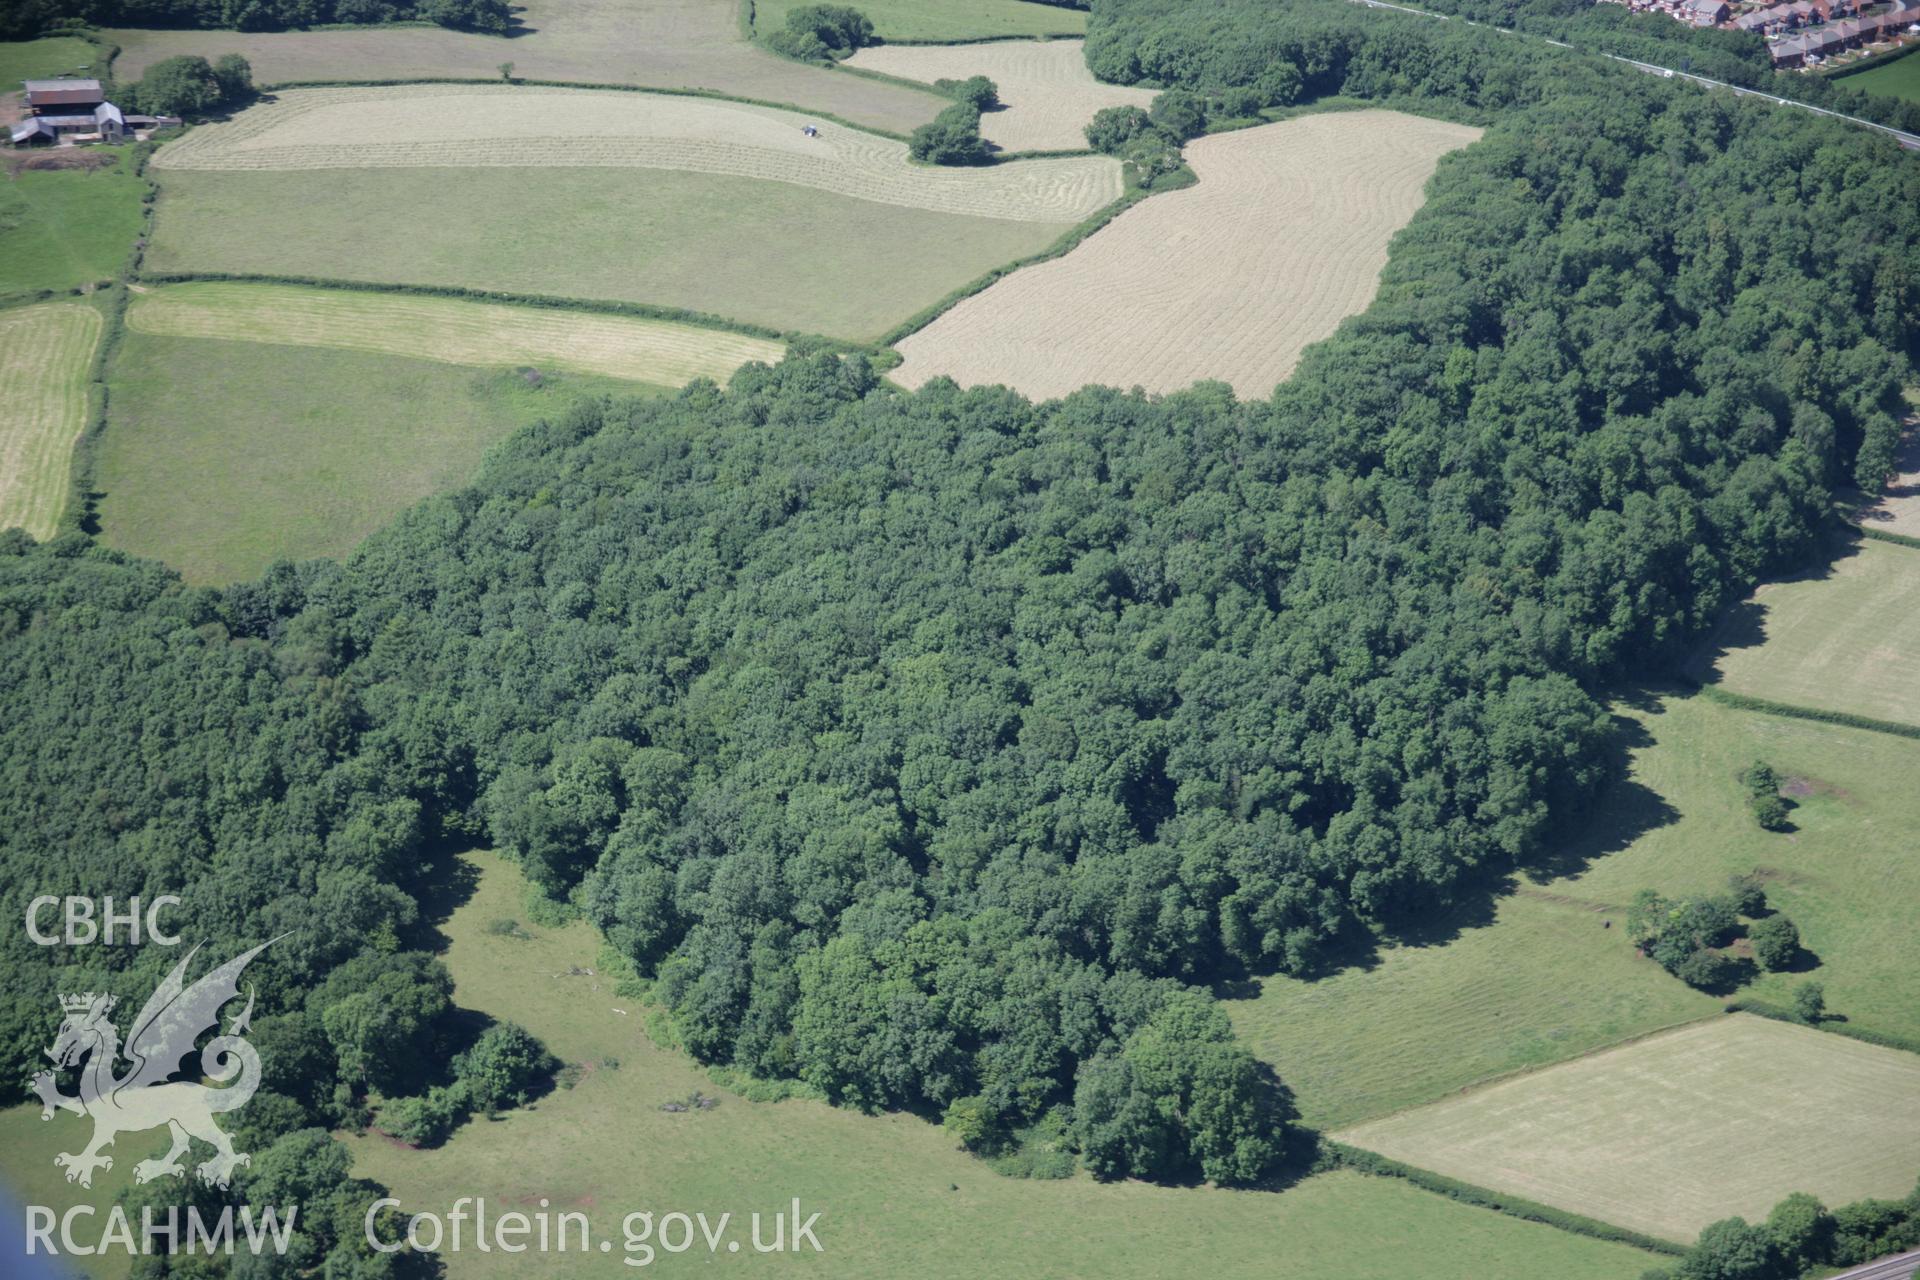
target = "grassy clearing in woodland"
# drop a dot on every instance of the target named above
(1847, 639)
(447, 126)
(945, 19)
(1544, 980)
(222, 457)
(768, 253)
(450, 330)
(896, 1196)
(1283, 237)
(45, 352)
(1047, 95)
(65, 227)
(662, 44)
(1676, 1131)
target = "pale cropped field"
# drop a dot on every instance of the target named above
(662, 44)
(1670, 1133)
(45, 351)
(1047, 95)
(1284, 236)
(1846, 640)
(458, 126)
(789, 257)
(945, 19)
(483, 334)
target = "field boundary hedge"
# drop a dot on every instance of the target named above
(1886, 535)
(1883, 1039)
(601, 306)
(1794, 711)
(1362, 1161)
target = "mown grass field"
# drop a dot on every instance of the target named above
(1283, 237)
(662, 44)
(492, 126)
(45, 352)
(945, 19)
(770, 253)
(221, 457)
(1544, 981)
(1679, 1130)
(1897, 79)
(449, 330)
(897, 1198)
(60, 228)
(1845, 639)
(45, 59)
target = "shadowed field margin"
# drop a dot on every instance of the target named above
(1341, 1155)
(1834, 1026)
(1768, 706)
(452, 331)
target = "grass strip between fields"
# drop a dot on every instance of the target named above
(449, 330)
(1768, 706)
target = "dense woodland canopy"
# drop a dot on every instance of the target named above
(939, 749)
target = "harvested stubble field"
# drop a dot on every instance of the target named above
(221, 457)
(1047, 94)
(662, 44)
(1540, 978)
(45, 352)
(1283, 237)
(897, 1197)
(769, 253)
(1847, 639)
(1673, 1132)
(458, 126)
(450, 330)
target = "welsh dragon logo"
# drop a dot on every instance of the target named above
(145, 1097)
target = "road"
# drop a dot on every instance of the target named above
(1901, 1267)
(1907, 140)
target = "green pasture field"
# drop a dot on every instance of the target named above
(945, 20)
(46, 352)
(1671, 1133)
(1844, 639)
(1545, 980)
(769, 253)
(896, 1197)
(221, 457)
(662, 44)
(1899, 78)
(46, 59)
(62, 228)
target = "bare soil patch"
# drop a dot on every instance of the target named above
(1282, 238)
